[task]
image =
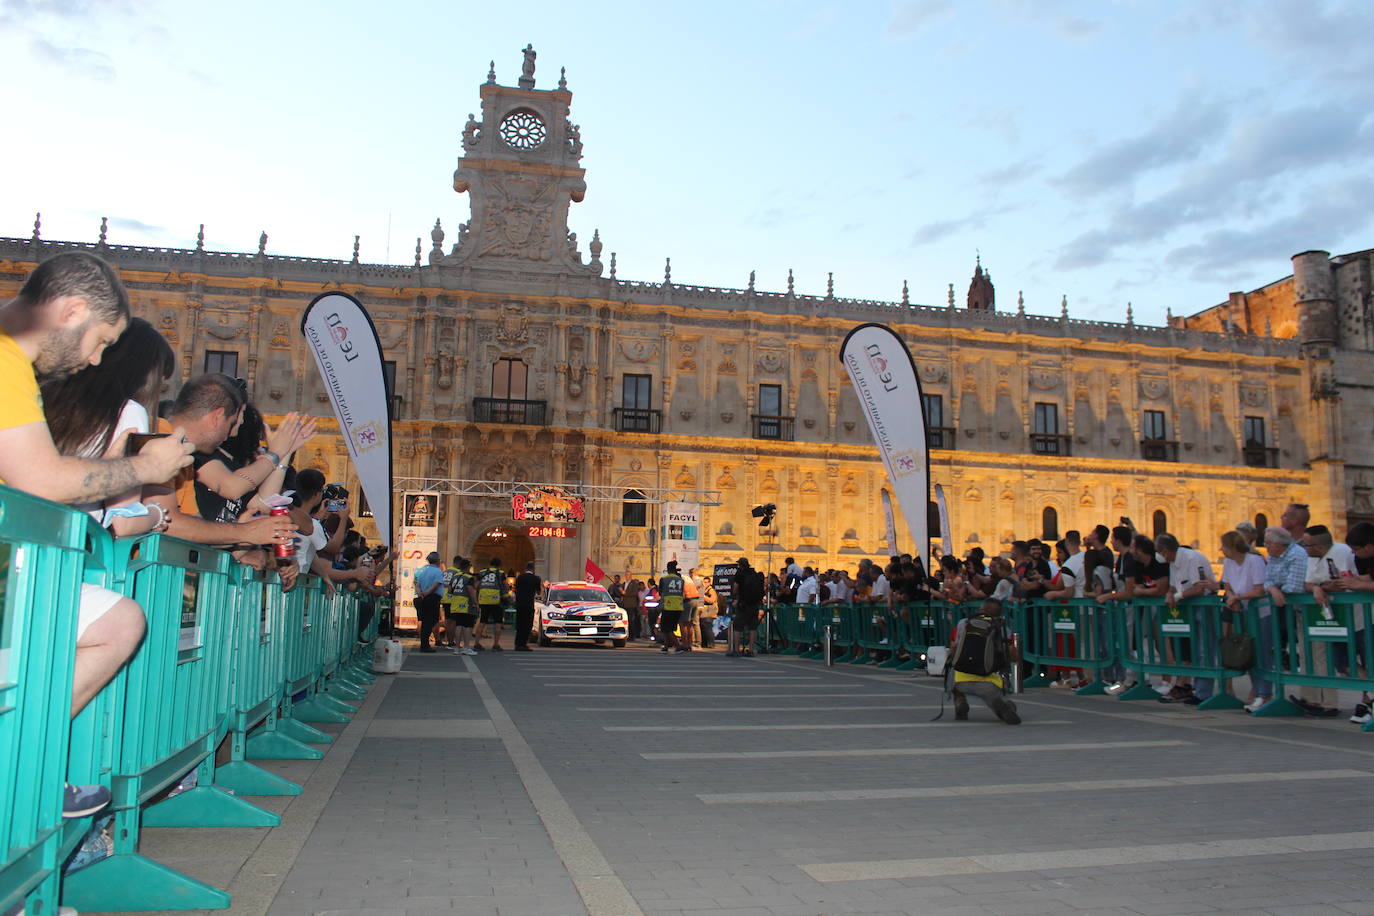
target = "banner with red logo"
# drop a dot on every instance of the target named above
(594, 572)
(349, 357)
(884, 378)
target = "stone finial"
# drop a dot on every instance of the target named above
(1020, 303)
(200, 238)
(356, 240)
(791, 285)
(1168, 314)
(751, 281)
(951, 295)
(104, 230)
(612, 265)
(667, 271)
(37, 226)
(436, 235)
(563, 78)
(1064, 306)
(906, 294)
(1130, 314)
(830, 285)
(417, 251)
(491, 73)
(596, 245)
(526, 80)
(262, 243)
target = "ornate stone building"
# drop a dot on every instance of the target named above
(517, 358)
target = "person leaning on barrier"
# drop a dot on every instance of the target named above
(1242, 575)
(981, 654)
(307, 528)
(1360, 540)
(1190, 576)
(209, 408)
(71, 308)
(1327, 562)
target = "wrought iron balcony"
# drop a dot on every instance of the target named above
(1259, 456)
(1049, 444)
(509, 411)
(941, 437)
(637, 420)
(1158, 450)
(767, 426)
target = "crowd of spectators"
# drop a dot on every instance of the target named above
(82, 422)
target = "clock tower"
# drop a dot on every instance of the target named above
(520, 168)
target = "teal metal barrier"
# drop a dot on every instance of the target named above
(1157, 639)
(1069, 633)
(282, 737)
(1312, 646)
(43, 552)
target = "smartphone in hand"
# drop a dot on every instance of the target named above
(136, 441)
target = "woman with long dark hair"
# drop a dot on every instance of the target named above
(91, 413)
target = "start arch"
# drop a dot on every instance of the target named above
(505, 541)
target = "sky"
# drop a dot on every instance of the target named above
(1157, 153)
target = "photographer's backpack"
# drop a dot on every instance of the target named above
(981, 648)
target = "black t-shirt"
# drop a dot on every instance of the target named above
(527, 585)
(1364, 566)
(212, 506)
(1143, 574)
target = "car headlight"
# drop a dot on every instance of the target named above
(554, 615)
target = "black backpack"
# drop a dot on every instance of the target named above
(981, 648)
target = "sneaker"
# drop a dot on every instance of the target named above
(1361, 720)
(455, 651)
(1191, 700)
(1255, 704)
(1007, 713)
(81, 801)
(466, 652)
(497, 648)
(960, 709)
(1362, 714)
(1115, 689)
(663, 649)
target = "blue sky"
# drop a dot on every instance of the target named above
(1153, 152)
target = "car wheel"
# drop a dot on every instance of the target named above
(545, 641)
(618, 643)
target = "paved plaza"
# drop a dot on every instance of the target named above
(621, 781)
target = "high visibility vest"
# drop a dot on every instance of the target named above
(670, 587)
(489, 586)
(456, 591)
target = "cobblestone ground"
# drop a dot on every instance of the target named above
(588, 779)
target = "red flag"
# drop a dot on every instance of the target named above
(594, 572)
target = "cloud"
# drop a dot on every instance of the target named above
(1016, 171)
(1263, 162)
(911, 18)
(81, 61)
(1337, 210)
(134, 225)
(1181, 136)
(943, 228)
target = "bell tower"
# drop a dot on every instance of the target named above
(981, 295)
(520, 168)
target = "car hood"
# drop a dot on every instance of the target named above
(579, 607)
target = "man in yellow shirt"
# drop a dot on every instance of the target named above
(70, 309)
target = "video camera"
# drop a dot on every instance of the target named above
(335, 496)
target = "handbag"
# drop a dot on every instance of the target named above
(1237, 652)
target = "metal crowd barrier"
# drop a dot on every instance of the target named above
(228, 659)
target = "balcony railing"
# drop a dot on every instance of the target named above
(509, 411)
(1049, 444)
(1259, 456)
(637, 420)
(940, 437)
(1158, 450)
(770, 427)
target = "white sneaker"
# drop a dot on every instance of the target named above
(1361, 720)
(466, 651)
(1115, 689)
(1255, 704)
(1161, 687)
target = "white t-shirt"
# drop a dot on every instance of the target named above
(1189, 568)
(1074, 566)
(880, 587)
(308, 545)
(1339, 560)
(133, 416)
(808, 591)
(841, 590)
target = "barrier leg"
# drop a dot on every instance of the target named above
(277, 745)
(322, 708)
(244, 778)
(206, 806)
(340, 687)
(297, 729)
(1095, 688)
(1141, 691)
(912, 663)
(134, 882)
(1278, 707)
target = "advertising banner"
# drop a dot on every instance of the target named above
(884, 377)
(349, 357)
(680, 538)
(419, 535)
(946, 538)
(892, 548)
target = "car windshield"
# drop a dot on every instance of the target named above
(580, 594)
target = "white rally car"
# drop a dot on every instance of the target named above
(580, 611)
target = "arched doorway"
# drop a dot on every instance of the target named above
(507, 542)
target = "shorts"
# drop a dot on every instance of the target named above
(668, 620)
(746, 618)
(463, 620)
(95, 603)
(492, 613)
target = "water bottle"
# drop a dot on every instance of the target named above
(1014, 672)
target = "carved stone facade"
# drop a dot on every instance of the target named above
(511, 314)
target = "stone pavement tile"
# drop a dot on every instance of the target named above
(1357, 908)
(1307, 910)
